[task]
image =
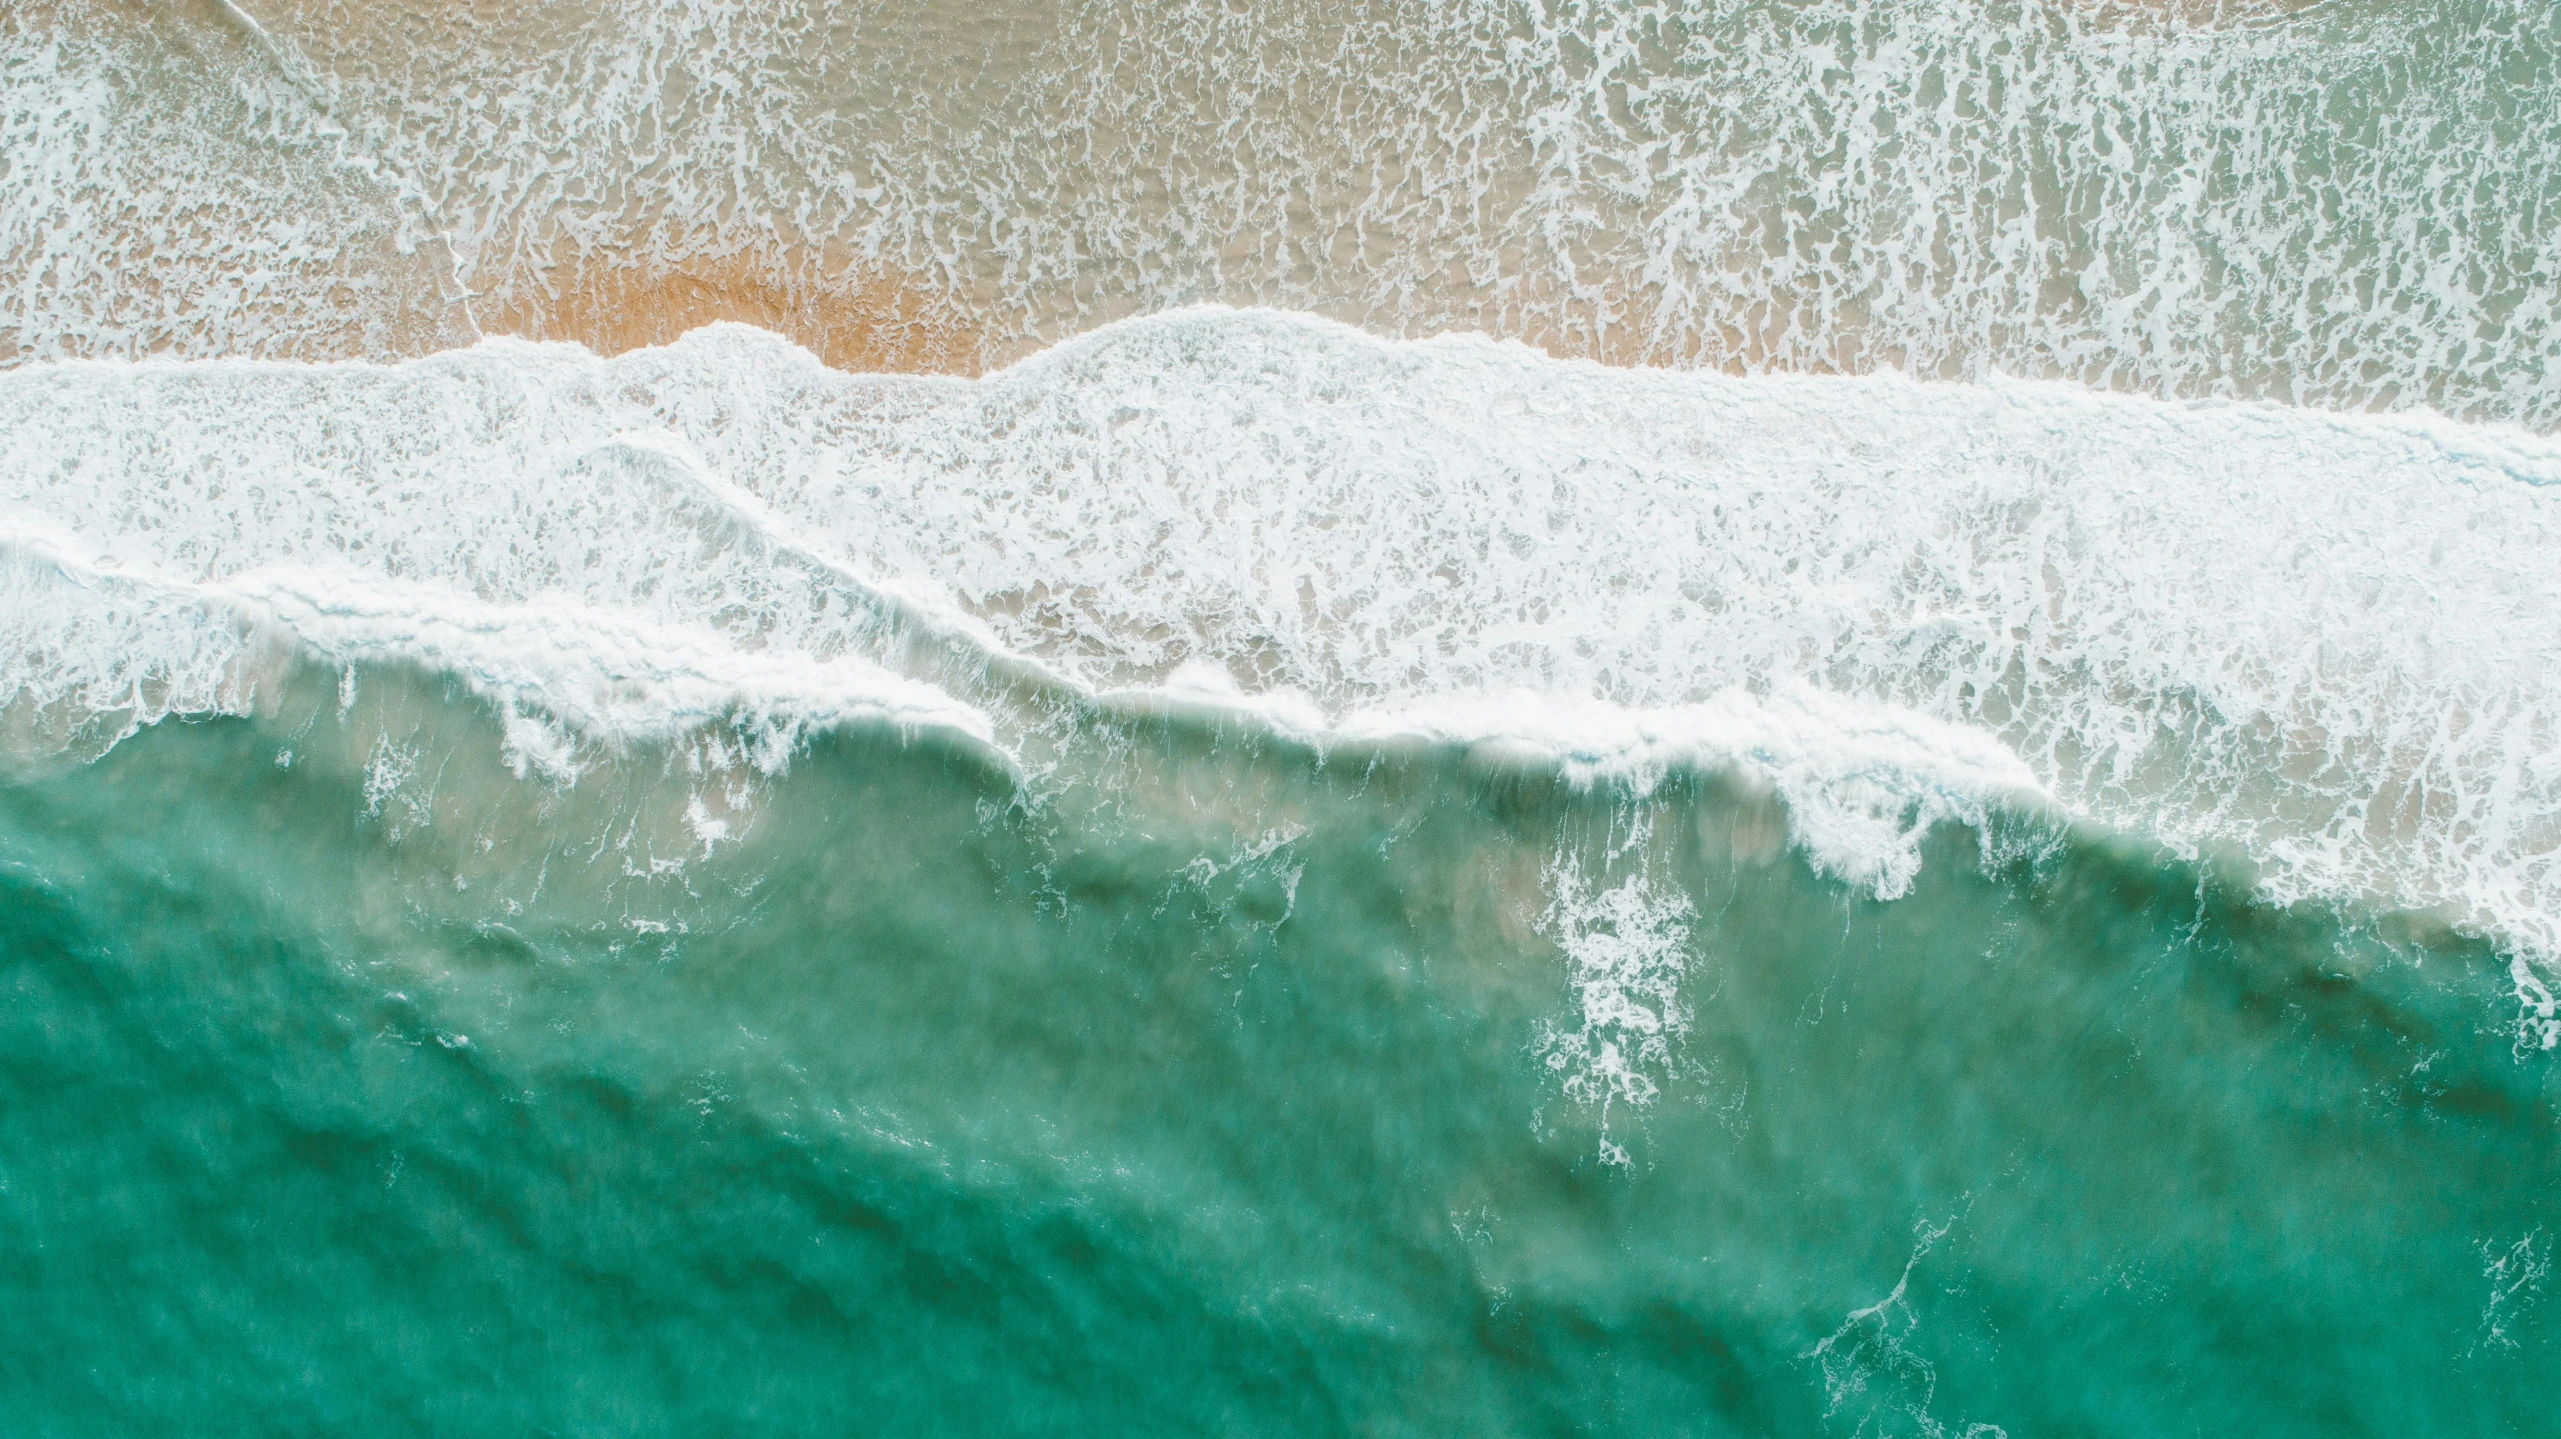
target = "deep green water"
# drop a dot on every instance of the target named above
(921, 1107)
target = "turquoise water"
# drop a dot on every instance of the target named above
(1371, 717)
(916, 1108)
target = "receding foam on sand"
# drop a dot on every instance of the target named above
(858, 320)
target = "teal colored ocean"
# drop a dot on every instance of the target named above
(1756, 717)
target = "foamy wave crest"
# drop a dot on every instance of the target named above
(2321, 644)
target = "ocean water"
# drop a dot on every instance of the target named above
(1457, 718)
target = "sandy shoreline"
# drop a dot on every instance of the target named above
(856, 321)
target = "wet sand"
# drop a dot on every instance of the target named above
(857, 320)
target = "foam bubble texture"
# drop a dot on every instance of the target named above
(2324, 643)
(168, 192)
(2349, 204)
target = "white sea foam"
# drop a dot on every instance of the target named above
(1626, 948)
(2339, 204)
(1864, 781)
(2321, 643)
(162, 194)
(132, 652)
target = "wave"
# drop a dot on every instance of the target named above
(2319, 645)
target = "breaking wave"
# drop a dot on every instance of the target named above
(2321, 646)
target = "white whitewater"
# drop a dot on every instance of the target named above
(2320, 643)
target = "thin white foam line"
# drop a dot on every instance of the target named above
(246, 20)
(270, 598)
(2538, 451)
(2415, 421)
(901, 602)
(1590, 738)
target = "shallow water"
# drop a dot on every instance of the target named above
(1728, 718)
(2348, 204)
(1398, 1092)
